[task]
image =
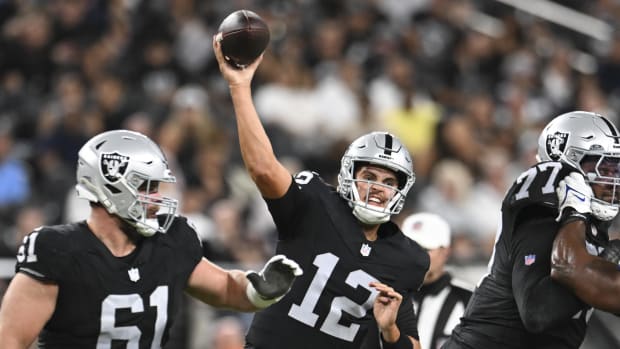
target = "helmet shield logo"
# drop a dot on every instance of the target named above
(556, 143)
(113, 166)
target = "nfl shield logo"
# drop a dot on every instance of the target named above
(134, 274)
(530, 259)
(365, 250)
(113, 166)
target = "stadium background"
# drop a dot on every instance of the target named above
(466, 84)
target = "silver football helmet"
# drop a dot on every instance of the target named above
(590, 143)
(379, 149)
(119, 169)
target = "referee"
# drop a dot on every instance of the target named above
(441, 300)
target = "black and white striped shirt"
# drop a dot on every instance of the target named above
(439, 306)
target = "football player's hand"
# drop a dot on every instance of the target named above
(612, 251)
(574, 194)
(385, 307)
(273, 281)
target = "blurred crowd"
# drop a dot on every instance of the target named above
(466, 84)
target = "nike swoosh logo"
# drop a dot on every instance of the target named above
(577, 194)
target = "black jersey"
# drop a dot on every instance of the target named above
(518, 285)
(106, 301)
(330, 305)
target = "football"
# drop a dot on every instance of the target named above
(244, 37)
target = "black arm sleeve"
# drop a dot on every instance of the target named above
(542, 302)
(407, 320)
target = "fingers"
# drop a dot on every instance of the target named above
(386, 293)
(575, 179)
(291, 264)
(276, 258)
(577, 176)
(297, 271)
(254, 277)
(217, 38)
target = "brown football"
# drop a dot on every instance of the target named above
(245, 36)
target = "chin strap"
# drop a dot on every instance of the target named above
(603, 212)
(368, 216)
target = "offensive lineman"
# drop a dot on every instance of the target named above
(116, 279)
(519, 303)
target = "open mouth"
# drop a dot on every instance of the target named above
(375, 201)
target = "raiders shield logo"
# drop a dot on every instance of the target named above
(113, 166)
(556, 143)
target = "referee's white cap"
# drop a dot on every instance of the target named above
(427, 229)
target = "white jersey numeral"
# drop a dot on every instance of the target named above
(29, 256)
(528, 176)
(304, 312)
(131, 334)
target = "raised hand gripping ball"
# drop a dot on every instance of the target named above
(244, 37)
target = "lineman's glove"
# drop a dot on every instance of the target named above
(272, 282)
(612, 251)
(575, 195)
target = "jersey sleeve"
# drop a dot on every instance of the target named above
(542, 302)
(285, 211)
(187, 244)
(43, 255)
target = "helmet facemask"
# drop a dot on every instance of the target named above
(383, 150)
(602, 172)
(141, 214)
(368, 213)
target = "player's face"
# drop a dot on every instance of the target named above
(150, 189)
(376, 185)
(438, 257)
(607, 175)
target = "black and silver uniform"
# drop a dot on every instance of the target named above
(106, 301)
(517, 305)
(330, 305)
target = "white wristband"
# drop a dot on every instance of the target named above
(256, 298)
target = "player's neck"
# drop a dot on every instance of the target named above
(106, 228)
(370, 232)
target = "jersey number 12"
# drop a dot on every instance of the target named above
(304, 312)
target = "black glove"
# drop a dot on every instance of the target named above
(612, 251)
(272, 282)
